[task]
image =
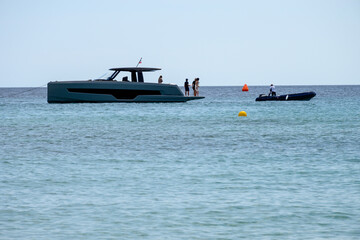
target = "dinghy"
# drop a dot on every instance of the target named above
(304, 96)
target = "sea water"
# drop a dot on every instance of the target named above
(195, 170)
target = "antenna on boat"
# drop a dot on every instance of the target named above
(139, 62)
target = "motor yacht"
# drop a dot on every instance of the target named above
(113, 90)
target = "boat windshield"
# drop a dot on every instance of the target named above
(105, 75)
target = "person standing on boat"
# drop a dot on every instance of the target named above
(160, 79)
(272, 90)
(193, 87)
(197, 86)
(186, 86)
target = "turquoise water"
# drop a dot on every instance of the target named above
(195, 170)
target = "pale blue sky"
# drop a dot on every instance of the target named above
(224, 43)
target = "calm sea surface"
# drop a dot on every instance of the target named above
(195, 170)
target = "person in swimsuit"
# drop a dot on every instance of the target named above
(197, 86)
(193, 87)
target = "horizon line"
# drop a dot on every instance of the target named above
(42, 86)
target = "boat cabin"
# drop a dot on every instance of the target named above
(136, 73)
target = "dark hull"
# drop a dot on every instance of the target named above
(305, 96)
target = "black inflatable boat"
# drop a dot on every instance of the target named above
(305, 96)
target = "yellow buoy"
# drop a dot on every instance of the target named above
(242, 114)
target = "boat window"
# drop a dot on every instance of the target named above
(122, 76)
(117, 93)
